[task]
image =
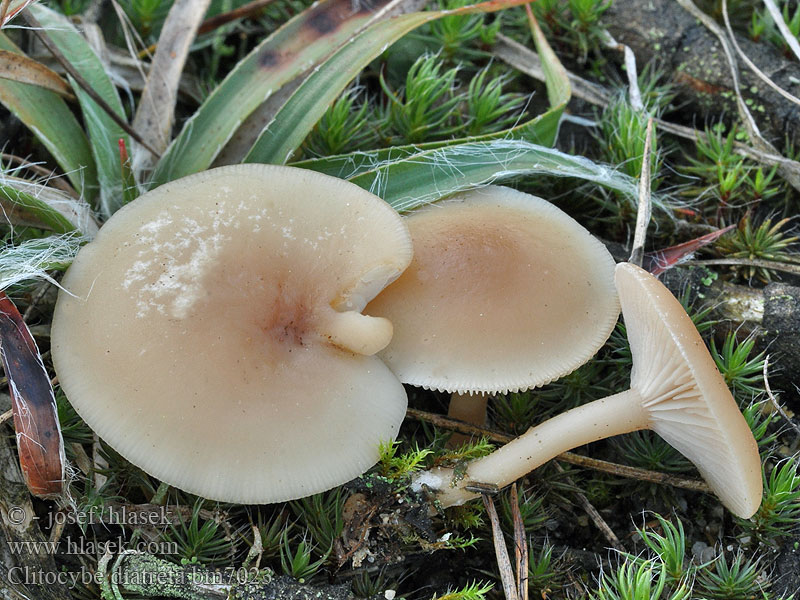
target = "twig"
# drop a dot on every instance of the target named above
(595, 516)
(6, 415)
(605, 466)
(774, 400)
(567, 457)
(645, 206)
(520, 545)
(788, 36)
(500, 550)
(748, 262)
(4, 10)
(759, 73)
(73, 72)
(243, 11)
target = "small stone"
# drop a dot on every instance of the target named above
(702, 552)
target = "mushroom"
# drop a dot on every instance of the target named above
(505, 292)
(676, 390)
(212, 332)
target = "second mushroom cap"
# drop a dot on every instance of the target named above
(505, 292)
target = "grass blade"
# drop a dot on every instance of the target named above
(39, 441)
(295, 120)
(156, 112)
(294, 48)
(19, 206)
(50, 119)
(413, 180)
(541, 130)
(556, 80)
(104, 133)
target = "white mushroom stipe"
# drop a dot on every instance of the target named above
(360, 334)
(211, 332)
(676, 390)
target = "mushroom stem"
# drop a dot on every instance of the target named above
(614, 415)
(470, 408)
(357, 333)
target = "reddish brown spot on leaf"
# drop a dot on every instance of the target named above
(269, 59)
(322, 22)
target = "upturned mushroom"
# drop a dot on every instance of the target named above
(212, 333)
(676, 390)
(505, 292)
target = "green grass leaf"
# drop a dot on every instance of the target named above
(104, 133)
(51, 121)
(299, 45)
(408, 179)
(559, 90)
(19, 205)
(541, 130)
(295, 120)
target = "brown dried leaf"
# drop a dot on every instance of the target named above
(20, 68)
(41, 447)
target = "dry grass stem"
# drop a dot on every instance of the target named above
(52, 178)
(156, 112)
(748, 262)
(595, 516)
(503, 562)
(645, 201)
(631, 72)
(526, 61)
(520, 545)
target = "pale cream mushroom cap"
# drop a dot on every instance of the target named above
(212, 333)
(685, 397)
(505, 292)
